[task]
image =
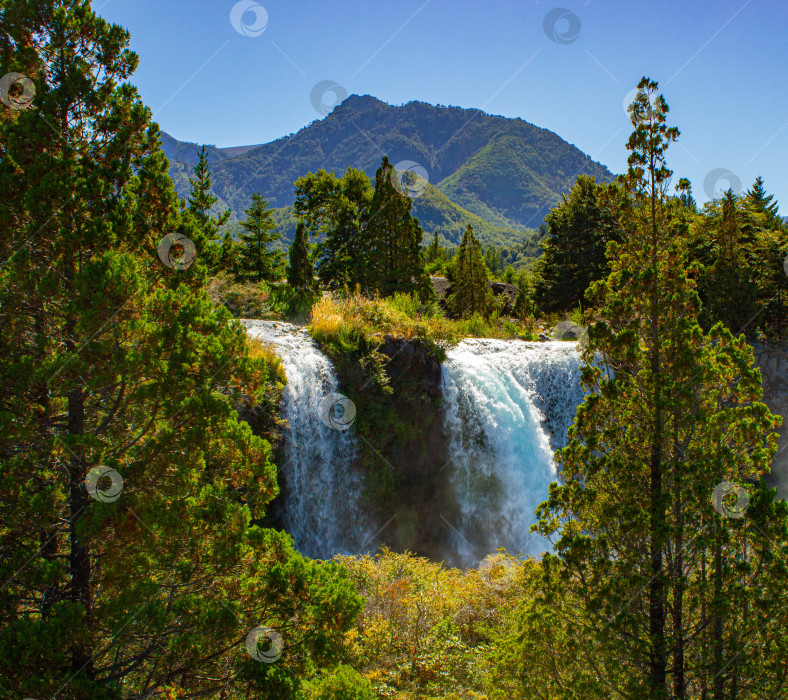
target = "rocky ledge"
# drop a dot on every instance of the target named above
(412, 364)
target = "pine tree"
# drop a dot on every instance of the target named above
(433, 250)
(578, 231)
(684, 190)
(200, 201)
(469, 277)
(390, 244)
(300, 273)
(652, 577)
(492, 258)
(436, 256)
(523, 302)
(724, 242)
(228, 255)
(764, 204)
(255, 260)
(114, 363)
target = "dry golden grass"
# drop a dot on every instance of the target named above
(260, 349)
(327, 317)
(341, 319)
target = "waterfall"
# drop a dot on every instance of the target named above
(508, 405)
(322, 491)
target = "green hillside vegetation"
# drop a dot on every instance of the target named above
(505, 171)
(140, 456)
(435, 212)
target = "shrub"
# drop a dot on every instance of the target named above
(343, 683)
(426, 630)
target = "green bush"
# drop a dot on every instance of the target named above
(343, 683)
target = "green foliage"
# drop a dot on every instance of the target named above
(112, 359)
(228, 255)
(255, 260)
(334, 209)
(741, 281)
(300, 273)
(469, 276)
(426, 630)
(344, 683)
(370, 237)
(390, 251)
(764, 204)
(492, 258)
(200, 203)
(579, 229)
(649, 580)
(523, 304)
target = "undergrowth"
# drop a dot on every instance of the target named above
(341, 322)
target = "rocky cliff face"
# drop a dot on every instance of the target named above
(773, 361)
(413, 365)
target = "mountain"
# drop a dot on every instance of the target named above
(501, 174)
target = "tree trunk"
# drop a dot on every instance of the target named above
(717, 641)
(657, 653)
(79, 557)
(679, 682)
(704, 688)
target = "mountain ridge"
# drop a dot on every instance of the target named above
(504, 170)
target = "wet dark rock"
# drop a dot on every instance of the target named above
(412, 365)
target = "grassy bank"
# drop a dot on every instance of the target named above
(341, 324)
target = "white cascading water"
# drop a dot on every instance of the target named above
(508, 405)
(321, 489)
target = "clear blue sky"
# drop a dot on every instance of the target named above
(721, 66)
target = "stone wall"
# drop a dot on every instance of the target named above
(773, 361)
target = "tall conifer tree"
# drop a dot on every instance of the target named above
(300, 273)
(200, 201)
(393, 260)
(764, 203)
(469, 276)
(659, 587)
(256, 261)
(579, 228)
(130, 561)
